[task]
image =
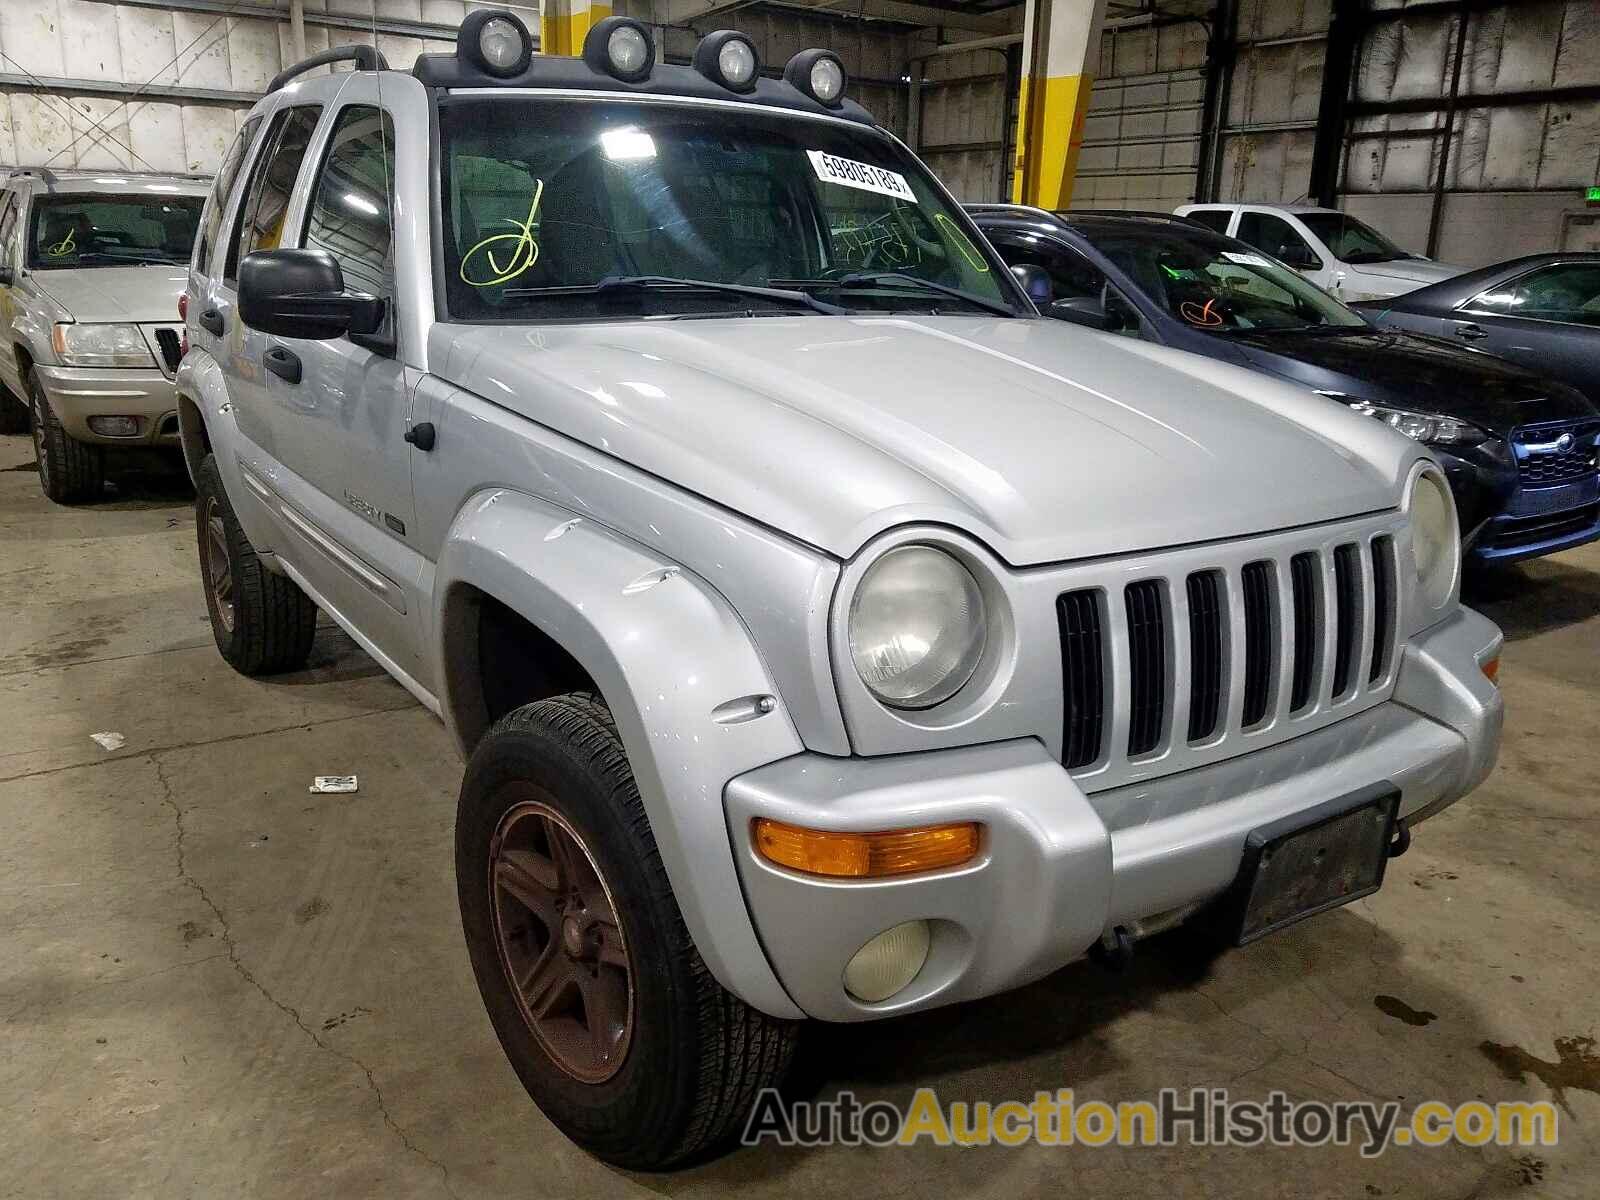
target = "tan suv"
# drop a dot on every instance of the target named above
(91, 268)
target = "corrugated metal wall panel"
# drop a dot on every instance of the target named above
(1141, 137)
(1269, 128)
(103, 43)
(966, 108)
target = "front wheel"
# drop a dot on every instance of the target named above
(70, 471)
(596, 991)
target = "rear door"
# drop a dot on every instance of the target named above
(1272, 234)
(259, 225)
(1547, 319)
(10, 210)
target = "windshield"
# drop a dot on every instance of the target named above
(1348, 240)
(91, 230)
(544, 198)
(1220, 285)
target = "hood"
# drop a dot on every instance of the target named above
(1048, 441)
(138, 294)
(1424, 374)
(1418, 272)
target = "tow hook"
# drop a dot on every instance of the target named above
(1114, 950)
(1402, 839)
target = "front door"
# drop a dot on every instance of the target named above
(337, 409)
(1547, 319)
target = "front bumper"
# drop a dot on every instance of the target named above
(1058, 868)
(78, 393)
(1539, 521)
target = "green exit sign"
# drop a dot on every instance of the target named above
(1593, 195)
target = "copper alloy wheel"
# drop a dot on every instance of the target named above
(559, 941)
(219, 566)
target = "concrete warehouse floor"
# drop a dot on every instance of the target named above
(213, 983)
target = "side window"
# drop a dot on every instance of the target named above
(271, 185)
(1568, 292)
(1071, 273)
(1276, 237)
(221, 189)
(349, 212)
(1211, 218)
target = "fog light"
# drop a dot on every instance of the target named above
(886, 964)
(621, 47)
(115, 426)
(865, 855)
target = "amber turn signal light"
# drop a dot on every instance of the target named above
(1491, 669)
(865, 855)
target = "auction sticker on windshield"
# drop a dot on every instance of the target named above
(847, 172)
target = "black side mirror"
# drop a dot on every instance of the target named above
(1035, 281)
(1086, 310)
(300, 294)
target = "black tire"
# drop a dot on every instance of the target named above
(264, 624)
(14, 414)
(70, 471)
(696, 1056)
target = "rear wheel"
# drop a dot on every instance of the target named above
(70, 471)
(597, 993)
(262, 621)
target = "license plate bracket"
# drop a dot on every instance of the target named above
(1311, 862)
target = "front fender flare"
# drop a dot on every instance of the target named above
(678, 670)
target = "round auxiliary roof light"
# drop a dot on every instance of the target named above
(495, 41)
(621, 47)
(819, 74)
(729, 58)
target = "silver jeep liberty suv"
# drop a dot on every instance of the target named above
(828, 635)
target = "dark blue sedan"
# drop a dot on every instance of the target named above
(1520, 448)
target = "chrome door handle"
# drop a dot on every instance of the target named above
(1471, 332)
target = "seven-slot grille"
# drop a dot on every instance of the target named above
(171, 346)
(1288, 636)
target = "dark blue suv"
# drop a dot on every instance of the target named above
(1520, 449)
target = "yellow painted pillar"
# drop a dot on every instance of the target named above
(1060, 46)
(563, 24)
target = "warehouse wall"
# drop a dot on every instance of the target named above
(1141, 139)
(1514, 174)
(69, 70)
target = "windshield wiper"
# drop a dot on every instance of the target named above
(870, 279)
(615, 284)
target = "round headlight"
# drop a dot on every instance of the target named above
(917, 627)
(827, 79)
(627, 51)
(500, 42)
(736, 62)
(1435, 545)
